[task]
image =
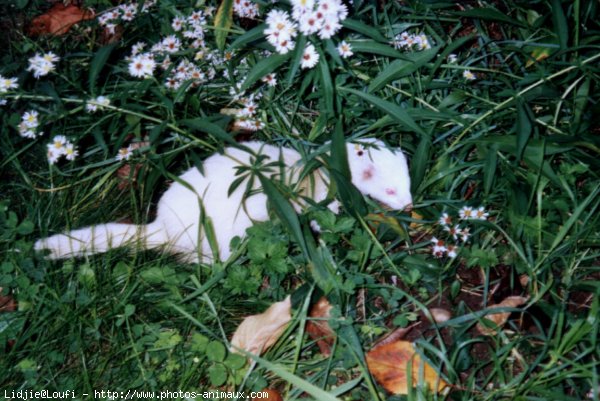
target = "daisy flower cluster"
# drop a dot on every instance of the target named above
(309, 17)
(456, 232)
(246, 116)
(29, 125)
(42, 64)
(407, 41)
(98, 103)
(60, 147)
(189, 34)
(245, 8)
(124, 12)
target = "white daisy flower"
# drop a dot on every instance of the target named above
(344, 49)
(445, 220)
(52, 154)
(466, 212)
(142, 66)
(7, 84)
(124, 153)
(99, 102)
(452, 251)
(30, 119)
(177, 24)
(171, 44)
(70, 151)
(59, 143)
(468, 75)
(452, 58)
(481, 214)
(310, 58)
(270, 79)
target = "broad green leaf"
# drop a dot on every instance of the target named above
(489, 167)
(223, 21)
(284, 210)
(369, 46)
(297, 54)
(326, 84)
(400, 68)
(98, 63)
(524, 128)
(418, 165)
(363, 28)
(254, 34)
(489, 14)
(202, 124)
(395, 111)
(560, 24)
(264, 67)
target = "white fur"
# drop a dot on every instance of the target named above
(376, 171)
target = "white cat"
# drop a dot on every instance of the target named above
(377, 171)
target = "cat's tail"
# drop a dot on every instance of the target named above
(98, 239)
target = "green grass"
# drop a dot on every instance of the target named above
(521, 140)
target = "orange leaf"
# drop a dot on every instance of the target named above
(389, 364)
(58, 20)
(319, 329)
(499, 319)
(272, 395)
(257, 333)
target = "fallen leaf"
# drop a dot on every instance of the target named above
(7, 303)
(318, 328)
(499, 319)
(415, 224)
(272, 395)
(440, 315)
(389, 364)
(59, 19)
(257, 333)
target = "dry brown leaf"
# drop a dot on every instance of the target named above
(319, 329)
(499, 319)
(7, 303)
(389, 364)
(440, 315)
(272, 395)
(59, 19)
(415, 216)
(257, 333)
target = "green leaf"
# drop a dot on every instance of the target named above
(298, 52)
(363, 28)
(215, 351)
(256, 33)
(489, 168)
(559, 22)
(98, 63)
(223, 21)
(264, 67)
(202, 124)
(419, 162)
(284, 210)
(489, 14)
(326, 84)
(524, 128)
(400, 68)
(369, 46)
(395, 111)
(26, 227)
(217, 375)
